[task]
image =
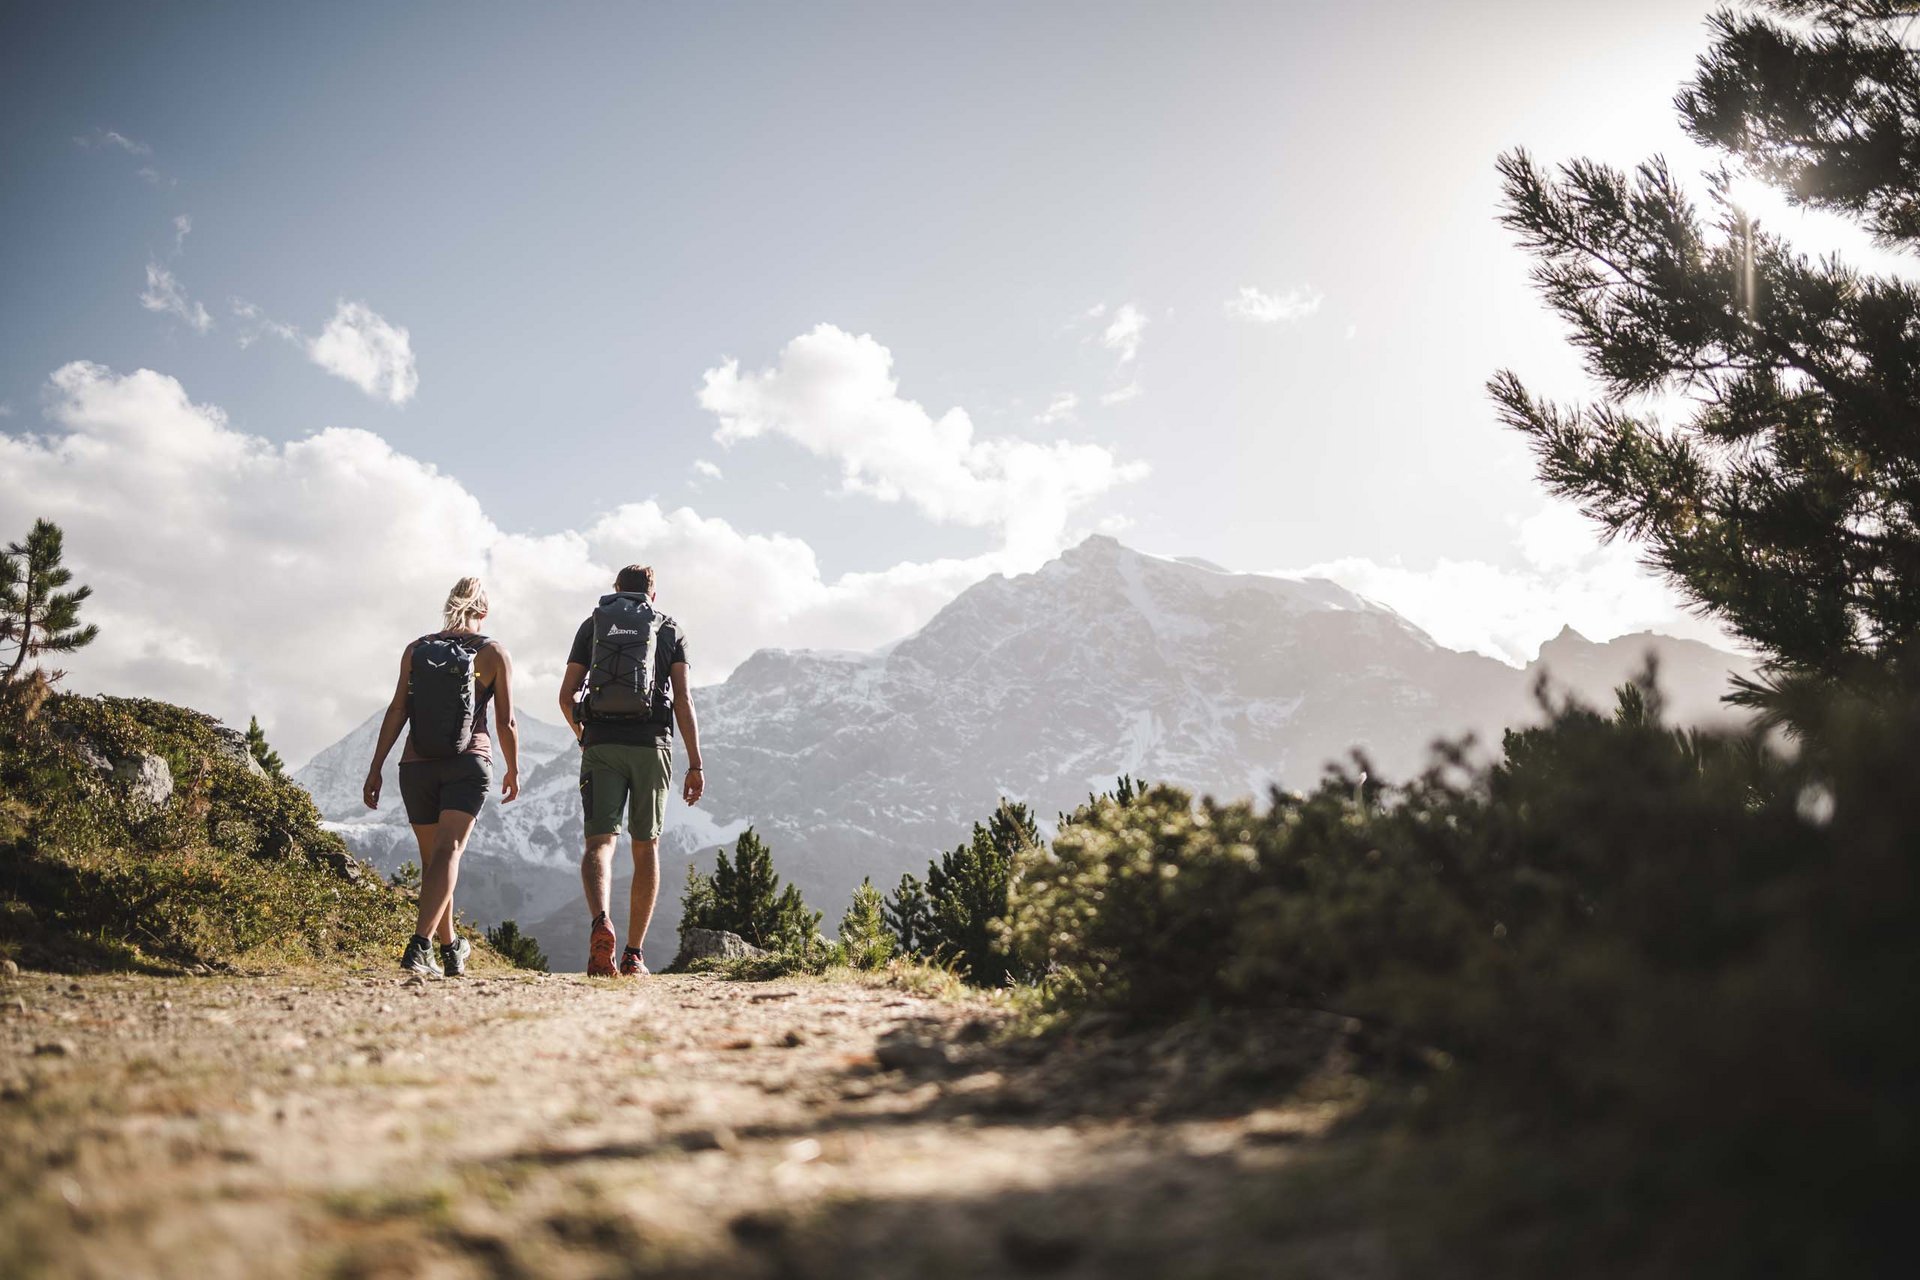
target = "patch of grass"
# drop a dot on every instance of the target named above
(234, 868)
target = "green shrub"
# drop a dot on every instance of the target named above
(864, 935)
(1671, 971)
(522, 949)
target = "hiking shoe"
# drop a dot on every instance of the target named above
(632, 963)
(418, 957)
(600, 949)
(453, 957)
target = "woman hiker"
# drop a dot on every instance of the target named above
(448, 679)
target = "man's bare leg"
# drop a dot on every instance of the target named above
(441, 870)
(646, 886)
(596, 874)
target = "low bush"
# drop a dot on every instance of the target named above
(1671, 973)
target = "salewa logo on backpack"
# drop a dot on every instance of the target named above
(441, 699)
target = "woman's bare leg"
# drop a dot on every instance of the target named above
(439, 872)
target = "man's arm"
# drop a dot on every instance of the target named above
(505, 728)
(569, 690)
(389, 732)
(696, 781)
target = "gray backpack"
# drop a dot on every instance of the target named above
(441, 694)
(622, 682)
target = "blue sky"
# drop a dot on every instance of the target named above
(1222, 279)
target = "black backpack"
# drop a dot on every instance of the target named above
(441, 694)
(622, 682)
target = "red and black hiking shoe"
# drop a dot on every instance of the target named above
(600, 949)
(632, 963)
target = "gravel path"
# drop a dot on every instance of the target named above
(517, 1125)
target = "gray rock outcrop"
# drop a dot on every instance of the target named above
(712, 944)
(144, 779)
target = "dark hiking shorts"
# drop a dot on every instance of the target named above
(621, 780)
(431, 787)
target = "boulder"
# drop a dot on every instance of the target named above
(712, 944)
(341, 863)
(145, 779)
(233, 745)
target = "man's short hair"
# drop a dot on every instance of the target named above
(635, 577)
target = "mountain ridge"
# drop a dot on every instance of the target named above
(1039, 687)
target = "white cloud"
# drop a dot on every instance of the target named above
(1059, 409)
(1124, 334)
(258, 322)
(708, 469)
(164, 294)
(1271, 308)
(182, 225)
(363, 348)
(1567, 578)
(236, 542)
(1120, 395)
(113, 138)
(835, 395)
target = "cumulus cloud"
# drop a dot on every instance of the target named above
(1124, 334)
(360, 346)
(835, 395)
(1271, 308)
(252, 577)
(1567, 578)
(164, 294)
(1059, 409)
(1120, 395)
(705, 468)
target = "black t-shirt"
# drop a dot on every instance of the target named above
(671, 648)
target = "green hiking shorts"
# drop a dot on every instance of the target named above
(617, 778)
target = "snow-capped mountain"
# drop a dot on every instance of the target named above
(1041, 687)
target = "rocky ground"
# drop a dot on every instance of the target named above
(511, 1124)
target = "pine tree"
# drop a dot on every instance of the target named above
(748, 899)
(36, 616)
(863, 930)
(1755, 422)
(967, 895)
(908, 914)
(257, 747)
(516, 946)
(796, 926)
(698, 907)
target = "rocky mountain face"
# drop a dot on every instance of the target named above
(1041, 688)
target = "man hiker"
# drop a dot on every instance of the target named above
(624, 691)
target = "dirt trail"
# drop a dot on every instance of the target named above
(519, 1125)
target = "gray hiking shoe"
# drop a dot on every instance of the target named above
(418, 958)
(453, 957)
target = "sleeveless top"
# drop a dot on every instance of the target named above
(482, 743)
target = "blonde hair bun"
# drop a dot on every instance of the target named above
(465, 603)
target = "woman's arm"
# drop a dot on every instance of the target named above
(505, 729)
(389, 731)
